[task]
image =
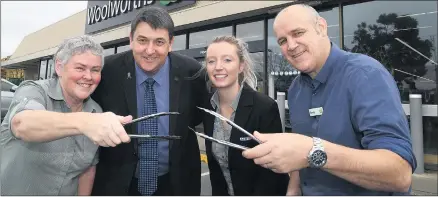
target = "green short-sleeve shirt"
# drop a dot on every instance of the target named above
(48, 168)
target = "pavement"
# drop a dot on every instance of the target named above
(205, 174)
(205, 180)
(425, 184)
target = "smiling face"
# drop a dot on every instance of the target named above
(150, 47)
(80, 76)
(223, 64)
(302, 38)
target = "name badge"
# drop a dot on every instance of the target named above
(245, 139)
(316, 111)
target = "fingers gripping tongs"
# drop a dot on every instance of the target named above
(156, 115)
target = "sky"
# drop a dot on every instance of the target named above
(21, 18)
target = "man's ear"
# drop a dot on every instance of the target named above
(171, 43)
(322, 26)
(131, 40)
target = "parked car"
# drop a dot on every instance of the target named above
(7, 94)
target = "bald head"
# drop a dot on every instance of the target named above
(300, 10)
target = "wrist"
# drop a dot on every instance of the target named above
(317, 157)
(77, 121)
(295, 191)
(308, 147)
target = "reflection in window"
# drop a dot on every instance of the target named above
(43, 68)
(257, 59)
(379, 29)
(121, 49)
(50, 69)
(372, 28)
(332, 18)
(250, 31)
(109, 51)
(203, 38)
(430, 137)
(6, 86)
(179, 42)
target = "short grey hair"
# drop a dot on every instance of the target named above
(77, 45)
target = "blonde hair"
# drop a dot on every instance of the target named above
(248, 75)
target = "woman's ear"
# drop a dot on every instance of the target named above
(241, 67)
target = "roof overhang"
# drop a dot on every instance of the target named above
(30, 58)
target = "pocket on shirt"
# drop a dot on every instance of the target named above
(52, 157)
(87, 151)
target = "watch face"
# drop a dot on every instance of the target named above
(318, 158)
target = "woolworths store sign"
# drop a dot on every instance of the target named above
(103, 15)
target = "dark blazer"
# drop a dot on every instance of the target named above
(255, 112)
(117, 93)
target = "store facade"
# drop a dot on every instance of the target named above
(369, 27)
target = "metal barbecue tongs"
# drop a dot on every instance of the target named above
(230, 123)
(156, 115)
(240, 147)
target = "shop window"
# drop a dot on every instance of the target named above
(332, 18)
(257, 59)
(179, 42)
(385, 30)
(6, 85)
(121, 49)
(50, 69)
(109, 51)
(380, 29)
(250, 31)
(43, 69)
(203, 38)
(430, 137)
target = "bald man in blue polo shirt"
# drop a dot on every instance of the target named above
(350, 134)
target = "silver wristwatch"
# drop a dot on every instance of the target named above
(317, 157)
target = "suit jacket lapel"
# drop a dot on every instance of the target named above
(174, 94)
(129, 85)
(244, 109)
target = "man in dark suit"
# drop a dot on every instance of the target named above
(151, 79)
